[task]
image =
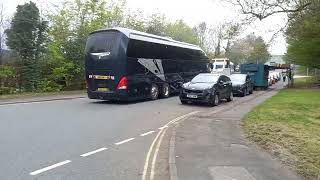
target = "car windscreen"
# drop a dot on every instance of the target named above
(237, 78)
(102, 45)
(205, 79)
(219, 66)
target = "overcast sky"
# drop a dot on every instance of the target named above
(192, 12)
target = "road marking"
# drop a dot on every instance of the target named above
(93, 152)
(146, 163)
(124, 141)
(49, 167)
(147, 133)
(163, 127)
(153, 164)
(181, 117)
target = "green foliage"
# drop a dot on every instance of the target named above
(26, 37)
(135, 21)
(7, 71)
(8, 77)
(156, 25)
(303, 37)
(69, 30)
(180, 31)
(250, 49)
(7, 90)
(48, 86)
(66, 73)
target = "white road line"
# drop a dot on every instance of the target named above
(181, 117)
(49, 167)
(146, 162)
(153, 164)
(124, 141)
(163, 127)
(147, 133)
(93, 152)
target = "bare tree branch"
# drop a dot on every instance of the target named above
(262, 9)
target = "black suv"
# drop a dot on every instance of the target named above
(207, 88)
(241, 84)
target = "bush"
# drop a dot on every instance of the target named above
(48, 86)
(7, 90)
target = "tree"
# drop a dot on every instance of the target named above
(69, 31)
(26, 37)
(264, 8)
(250, 49)
(156, 24)
(180, 31)
(303, 37)
(135, 21)
(202, 31)
(2, 27)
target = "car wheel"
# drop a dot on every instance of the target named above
(244, 92)
(165, 90)
(183, 102)
(251, 91)
(230, 98)
(154, 92)
(215, 101)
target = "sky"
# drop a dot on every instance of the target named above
(192, 12)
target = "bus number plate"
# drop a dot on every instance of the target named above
(103, 89)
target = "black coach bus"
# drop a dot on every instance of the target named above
(124, 64)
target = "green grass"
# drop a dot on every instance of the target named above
(35, 94)
(288, 126)
(307, 82)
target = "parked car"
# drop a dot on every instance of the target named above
(207, 88)
(241, 84)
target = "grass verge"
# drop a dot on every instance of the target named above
(288, 126)
(34, 94)
(307, 82)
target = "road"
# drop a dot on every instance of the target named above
(81, 138)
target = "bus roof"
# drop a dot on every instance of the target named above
(142, 36)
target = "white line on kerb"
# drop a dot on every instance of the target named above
(147, 133)
(49, 167)
(163, 127)
(124, 141)
(153, 163)
(93, 152)
(146, 163)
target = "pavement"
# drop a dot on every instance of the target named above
(42, 98)
(211, 146)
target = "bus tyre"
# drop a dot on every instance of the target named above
(154, 92)
(165, 90)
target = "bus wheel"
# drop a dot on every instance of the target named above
(165, 90)
(154, 92)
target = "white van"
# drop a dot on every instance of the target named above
(222, 65)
